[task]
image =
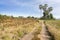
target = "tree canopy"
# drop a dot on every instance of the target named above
(46, 11)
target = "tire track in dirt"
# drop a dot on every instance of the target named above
(30, 35)
(45, 34)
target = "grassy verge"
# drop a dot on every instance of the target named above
(54, 28)
(36, 33)
(14, 29)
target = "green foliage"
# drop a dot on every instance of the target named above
(31, 17)
(20, 34)
(4, 17)
(46, 11)
(20, 17)
(28, 17)
(51, 16)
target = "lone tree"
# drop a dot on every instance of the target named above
(46, 11)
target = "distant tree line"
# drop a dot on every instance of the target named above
(32, 17)
(3, 17)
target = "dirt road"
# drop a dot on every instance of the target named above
(30, 35)
(45, 34)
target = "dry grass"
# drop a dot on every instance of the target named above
(36, 33)
(54, 28)
(14, 29)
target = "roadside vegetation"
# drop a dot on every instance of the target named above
(14, 28)
(54, 28)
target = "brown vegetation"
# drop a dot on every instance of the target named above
(15, 28)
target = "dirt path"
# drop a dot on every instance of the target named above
(30, 35)
(45, 34)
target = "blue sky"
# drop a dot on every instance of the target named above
(28, 7)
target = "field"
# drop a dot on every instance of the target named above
(54, 28)
(17, 28)
(14, 29)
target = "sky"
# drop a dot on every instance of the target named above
(28, 7)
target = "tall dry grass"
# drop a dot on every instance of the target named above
(54, 28)
(14, 29)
